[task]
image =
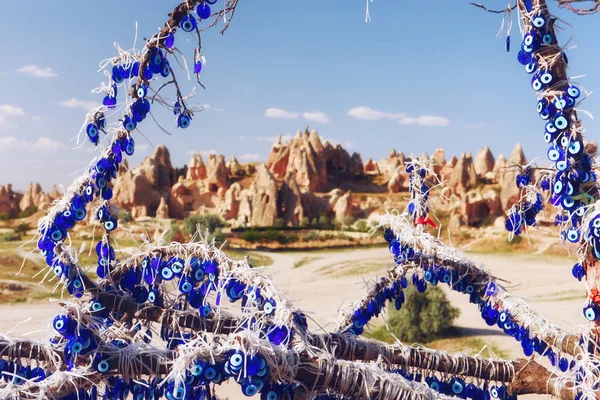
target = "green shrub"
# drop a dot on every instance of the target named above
(21, 228)
(323, 222)
(5, 216)
(362, 225)
(309, 236)
(348, 220)
(125, 216)
(279, 223)
(28, 212)
(424, 316)
(270, 235)
(201, 223)
(305, 223)
(9, 237)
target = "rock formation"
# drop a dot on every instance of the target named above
(34, 197)
(9, 201)
(484, 162)
(196, 169)
(262, 197)
(510, 194)
(216, 173)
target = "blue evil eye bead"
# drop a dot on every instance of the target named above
(186, 285)
(106, 193)
(59, 269)
(109, 102)
(528, 5)
(205, 310)
(142, 91)
(591, 312)
(188, 23)
(529, 42)
(197, 67)
(538, 21)
(573, 91)
(546, 78)
(575, 147)
(203, 11)
(562, 165)
(269, 306)
(64, 325)
(573, 235)
(560, 121)
(508, 43)
(458, 385)
(250, 387)
(555, 153)
(129, 146)
(523, 58)
(176, 265)
(129, 123)
(176, 108)
(166, 273)
(117, 74)
(183, 121)
(197, 368)
(560, 103)
(92, 132)
(531, 67)
(550, 128)
(110, 224)
(536, 84)
(170, 41)
(547, 39)
(211, 2)
(166, 70)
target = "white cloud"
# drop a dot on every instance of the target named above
(39, 72)
(250, 157)
(215, 109)
(42, 144)
(316, 117)
(36, 118)
(81, 104)
(369, 114)
(279, 113)
(425, 120)
(11, 111)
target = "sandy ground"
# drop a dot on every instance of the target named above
(318, 288)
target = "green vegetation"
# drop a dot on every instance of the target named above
(268, 236)
(304, 261)
(9, 237)
(207, 222)
(125, 216)
(21, 228)
(424, 317)
(28, 212)
(5, 216)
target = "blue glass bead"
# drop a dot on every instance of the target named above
(528, 5)
(591, 312)
(183, 121)
(188, 23)
(148, 73)
(117, 74)
(129, 123)
(92, 132)
(458, 386)
(165, 70)
(186, 285)
(197, 67)
(140, 294)
(538, 21)
(142, 91)
(64, 325)
(109, 102)
(508, 43)
(170, 40)
(203, 11)
(573, 91)
(523, 57)
(110, 224)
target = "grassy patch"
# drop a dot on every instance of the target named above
(258, 260)
(468, 345)
(304, 261)
(501, 245)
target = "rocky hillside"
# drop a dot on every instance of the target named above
(302, 180)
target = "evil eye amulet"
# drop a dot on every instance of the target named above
(203, 11)
(561, 121)
(591, 312)
(183, 121)
(188, 23)
(538, 21)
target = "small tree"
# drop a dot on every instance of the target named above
(201, 223)
(424, 317)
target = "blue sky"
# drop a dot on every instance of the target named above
(423, 80)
